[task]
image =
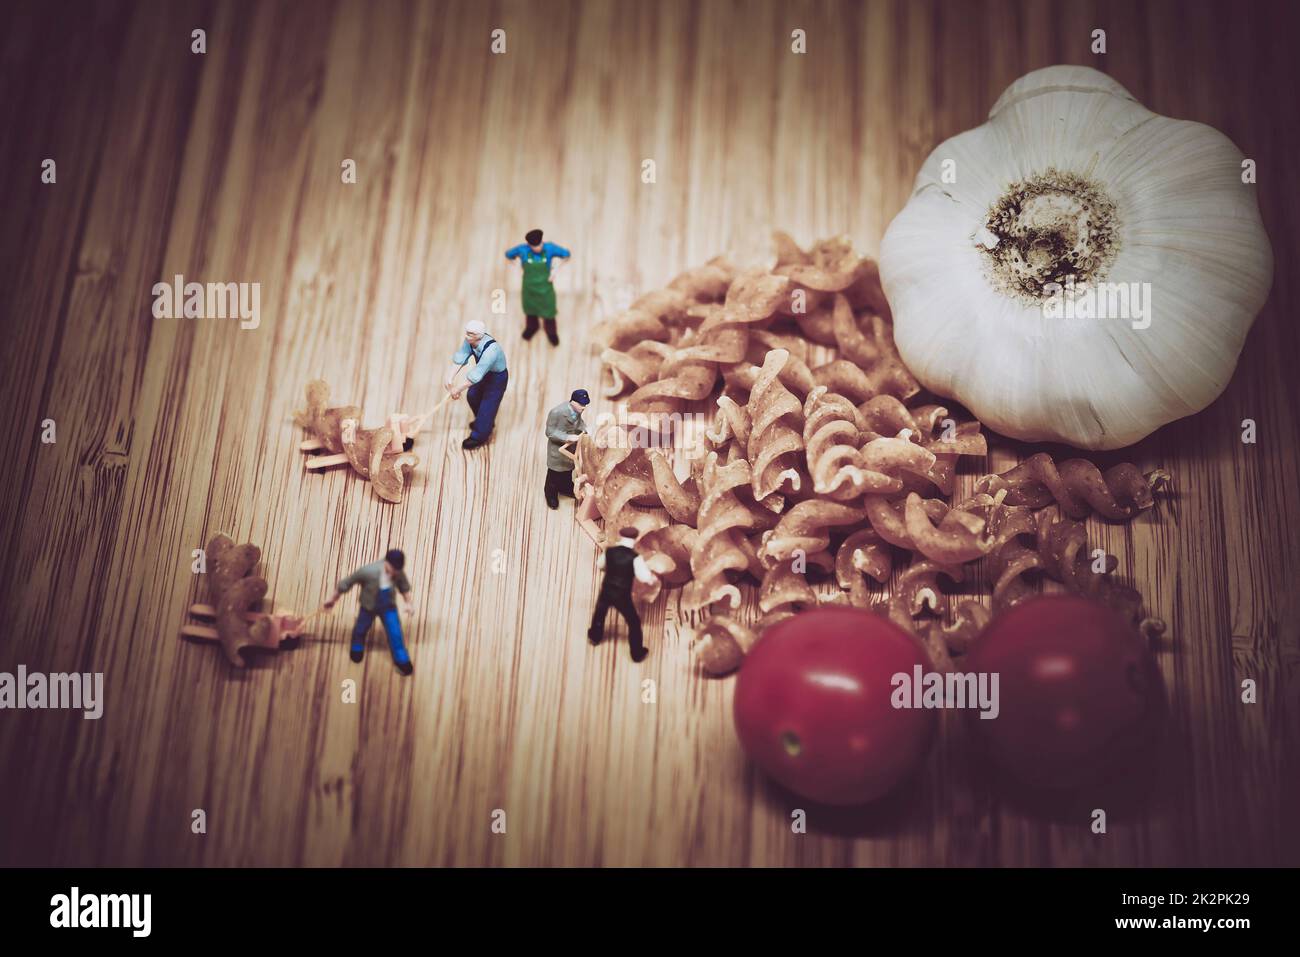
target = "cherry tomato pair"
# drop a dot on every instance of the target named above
(1077, 691)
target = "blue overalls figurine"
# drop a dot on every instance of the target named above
(487, 380)
(380, 583)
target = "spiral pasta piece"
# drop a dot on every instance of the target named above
(721, 522)
(721, 644)
(928, 526)
(623, 479)
(969, 619)
(863, 552)
(830, 435)
(627, 481)
(652, 316)
(853, 344)
(731, 426)
(690, 372)
(1063, 545)
(682, 503)
(387, 470)
(831, 265)
(1077, 486)
(1031, 542)
(1010, 558)
(895, 458)
(816, 320)
(785, 592)
(888, 373)
(667, 553)
(929, 427)
(639, 364)
(805, 530)
(794, 374)
(917, 592)
(917, 588)
(775, 437)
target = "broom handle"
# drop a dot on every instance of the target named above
(315, 614)
(443, 401)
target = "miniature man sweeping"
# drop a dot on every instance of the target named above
(622, 564)
(487, 380)
(536, 258)
(379, 582)
(563, 425)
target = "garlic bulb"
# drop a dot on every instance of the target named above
(1077, 269)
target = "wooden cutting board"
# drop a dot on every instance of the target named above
(226, 166)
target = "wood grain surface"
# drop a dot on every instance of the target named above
(225, 167)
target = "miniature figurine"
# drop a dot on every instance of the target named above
(563, 425)
(378, 581)
(486, 381)
(621, 564)
(537, 260)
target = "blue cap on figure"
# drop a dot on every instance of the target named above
(580, 396)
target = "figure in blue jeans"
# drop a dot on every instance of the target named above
(381, 582)
(486, 381)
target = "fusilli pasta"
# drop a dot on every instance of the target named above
(828, 477)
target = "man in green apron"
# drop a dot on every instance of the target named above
(538, 291)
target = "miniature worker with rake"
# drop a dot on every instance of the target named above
(487, 380)
(563, 425)
(379, 581)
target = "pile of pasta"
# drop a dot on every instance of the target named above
(823, 481)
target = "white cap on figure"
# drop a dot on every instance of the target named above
(475, 327)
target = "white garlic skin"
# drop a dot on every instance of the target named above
(1185, 224)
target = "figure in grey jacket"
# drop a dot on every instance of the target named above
(563, 424)
(380, 583)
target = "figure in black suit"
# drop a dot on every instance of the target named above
(622, 564)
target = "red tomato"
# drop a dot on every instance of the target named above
(813, 705)
(1079, 691)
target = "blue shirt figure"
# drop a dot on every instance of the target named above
(488, 357)
(527, 254)
(537, 262)
(487, 380)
